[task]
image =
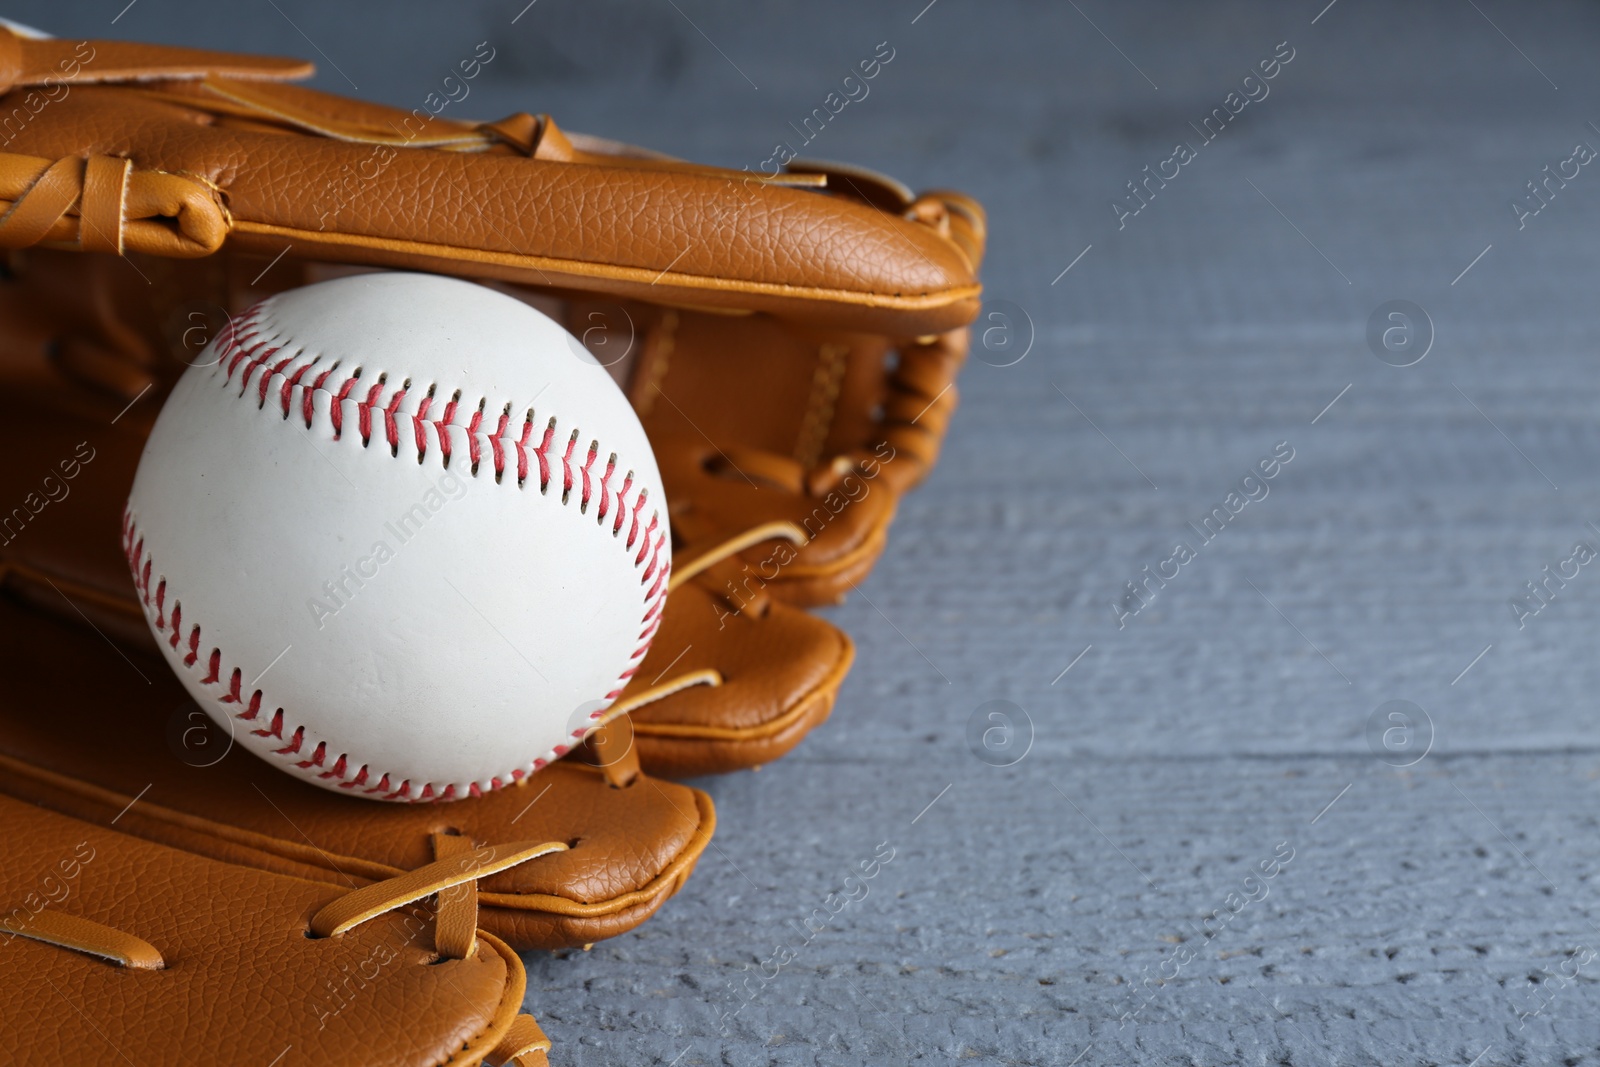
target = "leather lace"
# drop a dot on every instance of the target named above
(451, 878)
(686, 565)
(691, 562)
(102, 204)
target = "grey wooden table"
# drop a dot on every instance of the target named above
(1211, 845)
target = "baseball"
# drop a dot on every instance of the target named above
(400, 535)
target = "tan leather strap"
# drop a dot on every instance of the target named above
(690, 562)
(537, 136)
(524, 1044)
(610, 746)
(455, 924)
(869, 186)
(757, 465)
(624, 706)
(40, 200)
(52, 61)
(368, 902)
(966, 222)
(266, 101)
(87, 936)
(102, 204)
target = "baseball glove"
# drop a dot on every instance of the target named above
(790, 340)
(123, 746)
(118, 949)
(790, 343)
(730, 681)
(132, 731)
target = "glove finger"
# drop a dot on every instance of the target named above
(210, 937)
(262, 166)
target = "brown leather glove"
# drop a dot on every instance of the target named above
(107, 735)
(763, 306)
(731, 680)
(122, 727)
(760, 314)
(116, 949)
(791, 339)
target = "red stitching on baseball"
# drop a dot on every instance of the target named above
(214, 671)
(417, 423)
(566, 467)
(266, 377)
(622, 512)
(390, 432)
(310, 394)
(364, 411)
(496, 447)
(543, 452)
(648, 530)
(522, 449)
(336, 410)
(473, 447)
(439, 427)
(276, 730)
(605, 490)
(245, 344)
(290, 382)
(240, 352)
(583, 501)
(250, 344)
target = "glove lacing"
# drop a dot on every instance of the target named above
(452, 878)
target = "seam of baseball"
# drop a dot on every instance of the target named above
(233, 349)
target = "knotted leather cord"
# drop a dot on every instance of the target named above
(102, 204)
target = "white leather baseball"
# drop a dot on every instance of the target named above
(400, 536)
